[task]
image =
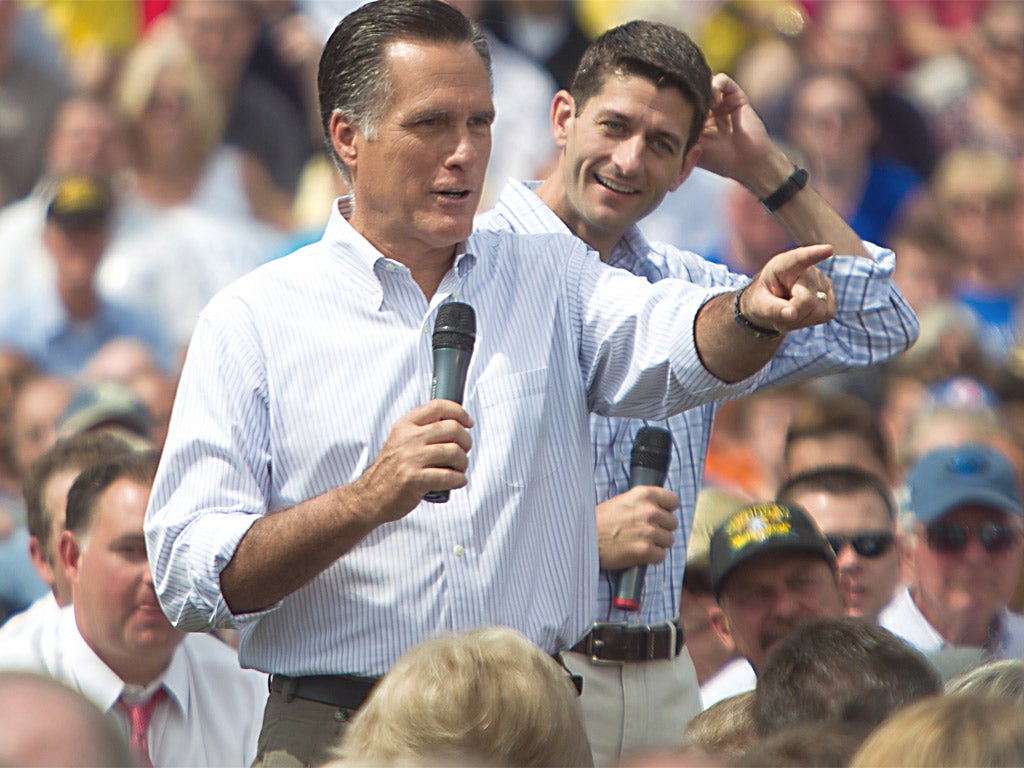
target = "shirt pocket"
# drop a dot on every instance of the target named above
(514, 415)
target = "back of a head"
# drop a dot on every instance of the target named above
(841, 670)
(998, 679)
(657, 52)
(948, 731)
(725, 730)
(485, 697)
(808, 744)
(31, 705)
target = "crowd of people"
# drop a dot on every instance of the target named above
(788, 234)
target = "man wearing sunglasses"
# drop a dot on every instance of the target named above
(856, 511)
(962, 542)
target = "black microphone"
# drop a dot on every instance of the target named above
(652, 451)
(454, 334)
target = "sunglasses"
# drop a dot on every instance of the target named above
(952, 538)
(872, 544)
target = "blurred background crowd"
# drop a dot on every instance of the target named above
(151, 151)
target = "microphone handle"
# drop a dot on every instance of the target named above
(450, 368)
(631, 580)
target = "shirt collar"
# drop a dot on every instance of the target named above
(101, 684)
(344, 241)
(999, 636)
(629, 253)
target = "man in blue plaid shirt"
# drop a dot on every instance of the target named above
(643, 110)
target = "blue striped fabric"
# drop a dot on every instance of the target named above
(873, 324)
(293, 379)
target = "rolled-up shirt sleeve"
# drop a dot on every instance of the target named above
(638, 347)
(214, 473)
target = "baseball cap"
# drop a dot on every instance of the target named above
(760, 528)
(947, 478)
(714, 506)
(107, 404)
(79, 200)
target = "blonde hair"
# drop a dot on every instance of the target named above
(485, 697)
(951, 730)
(997, 679)
(726, 729)
(974, 171)
(163, 52)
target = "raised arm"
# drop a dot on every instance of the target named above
(736, 144)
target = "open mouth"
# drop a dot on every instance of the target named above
(453, 194)
(614, 187)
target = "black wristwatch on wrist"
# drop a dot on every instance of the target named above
(797, 180)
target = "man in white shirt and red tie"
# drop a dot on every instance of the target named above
(179, 700)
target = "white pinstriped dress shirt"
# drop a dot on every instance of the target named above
(293, 379)
(873, 323)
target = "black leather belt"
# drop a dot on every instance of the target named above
(612, 643)
(343, 691)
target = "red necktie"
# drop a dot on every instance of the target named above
(140, 716)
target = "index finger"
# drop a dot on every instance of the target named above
(788, 266)
(439, 410)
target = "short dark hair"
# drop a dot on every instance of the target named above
(838, 480)
(844, 670)
(139, 466)
(78, 452)
(354, 77)
(807, 744)
(657, 52)
(826, 416)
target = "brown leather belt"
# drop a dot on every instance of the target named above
(342, 691)
(614, 643)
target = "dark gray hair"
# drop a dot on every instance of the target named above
(354, 77)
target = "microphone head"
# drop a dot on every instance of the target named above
(455, 327)
(652, 449)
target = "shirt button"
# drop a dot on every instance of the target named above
(459, 550)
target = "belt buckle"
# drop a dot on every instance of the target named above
(673, 635)
(596, 643)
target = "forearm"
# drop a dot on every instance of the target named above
(807, 217)
(726, 349)
(283, 552)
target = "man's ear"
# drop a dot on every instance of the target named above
(563, 110)
(689, 163)
(721, 626)
(345, 139)
(41, 563)
(70, 552)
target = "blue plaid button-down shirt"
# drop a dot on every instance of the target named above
(873, 323)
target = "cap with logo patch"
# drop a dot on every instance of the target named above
(79, 201)
(760, 528)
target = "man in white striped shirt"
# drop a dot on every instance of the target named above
(289, 498)
(630, 129)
